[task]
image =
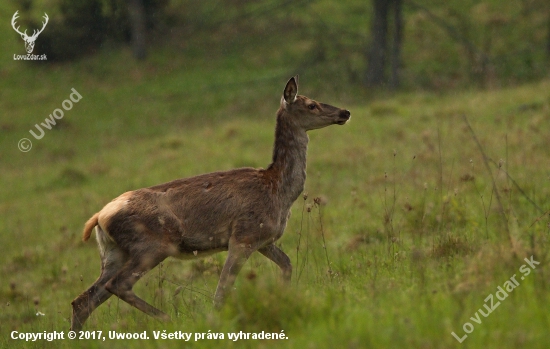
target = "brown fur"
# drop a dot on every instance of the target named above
(240, 211)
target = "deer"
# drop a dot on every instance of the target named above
(240, 211)
(29, 40)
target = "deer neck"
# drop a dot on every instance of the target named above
(288, 168)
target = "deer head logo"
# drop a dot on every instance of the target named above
(29, 40)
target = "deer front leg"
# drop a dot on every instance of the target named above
(237, 255)
(280, 258)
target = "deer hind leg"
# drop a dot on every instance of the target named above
(237, 255)
(280, 258)
(122, 283)
(112, 259)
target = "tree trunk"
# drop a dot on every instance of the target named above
(136, 11)
(395, 59)
(548, 38)
(376, 55)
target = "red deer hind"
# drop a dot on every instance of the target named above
(239, 211)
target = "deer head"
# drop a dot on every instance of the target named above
(306, 113)
(29, 40)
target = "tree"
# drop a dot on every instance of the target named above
(548, 37)
(136, 11)
(377, 55)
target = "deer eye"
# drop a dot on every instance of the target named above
(312, 106)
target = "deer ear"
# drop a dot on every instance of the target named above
(291, 90)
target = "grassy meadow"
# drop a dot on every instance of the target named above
(416, 211)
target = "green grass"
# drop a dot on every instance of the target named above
(415, 240)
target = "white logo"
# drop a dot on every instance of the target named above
(29, 40)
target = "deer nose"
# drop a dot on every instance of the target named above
(345, 114)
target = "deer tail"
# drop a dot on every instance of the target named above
(90, 224)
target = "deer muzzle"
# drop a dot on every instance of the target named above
(343, 117)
